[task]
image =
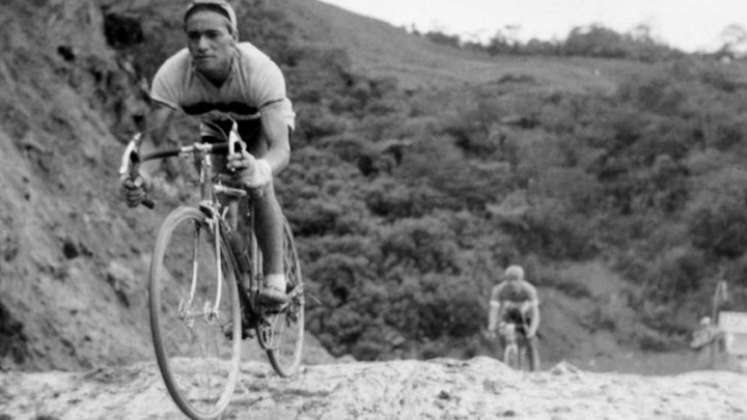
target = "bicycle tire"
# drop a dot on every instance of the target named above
(531, 355)
(511, 356)
(523, 362)
(165, 276)
(285, 358)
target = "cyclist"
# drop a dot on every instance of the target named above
(221, 80)
(515, 300)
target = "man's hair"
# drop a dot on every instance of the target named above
(515, 271)
(218, 6)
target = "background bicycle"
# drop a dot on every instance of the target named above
(518, 351)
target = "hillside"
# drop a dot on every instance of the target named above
(377, 48)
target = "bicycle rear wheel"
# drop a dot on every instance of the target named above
(531, 357)
(511, 356)
(281, 334)
(195, 314)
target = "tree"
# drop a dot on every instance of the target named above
(734, 38)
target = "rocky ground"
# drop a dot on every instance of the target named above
(480, 388)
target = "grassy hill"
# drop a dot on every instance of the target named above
(378, 49)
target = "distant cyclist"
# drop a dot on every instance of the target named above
(221, 80)
(514, 300)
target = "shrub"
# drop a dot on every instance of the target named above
(678, 271)
(547, 228)
(716, 218)
(600, 319)
(392, 199)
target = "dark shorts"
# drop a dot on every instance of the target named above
(514, 316)
(249, 130)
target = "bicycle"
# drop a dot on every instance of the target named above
(516, 353)
(204, 281)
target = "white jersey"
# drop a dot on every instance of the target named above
(254, 86)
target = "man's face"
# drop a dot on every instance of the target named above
(511, 278)
(210, 43)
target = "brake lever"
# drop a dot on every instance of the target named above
(130, 154)
(236, 145)
(131, 164)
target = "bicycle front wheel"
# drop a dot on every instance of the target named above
(195, 314)
(282, 333)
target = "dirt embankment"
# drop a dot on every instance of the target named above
(481, 388)
(71, 257)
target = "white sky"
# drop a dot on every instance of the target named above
(686, 24)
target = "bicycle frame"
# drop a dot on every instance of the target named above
(514, 338)
(214, 209)
(211, 207)
(510, 334)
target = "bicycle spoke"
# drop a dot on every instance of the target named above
(193, 305)
(284, 331)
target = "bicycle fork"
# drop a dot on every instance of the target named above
(210, 314)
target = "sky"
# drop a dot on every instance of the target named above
(690, 25)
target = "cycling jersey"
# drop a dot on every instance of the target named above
(515, 292)
(255, 85)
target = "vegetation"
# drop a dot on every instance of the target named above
(407, 204)
(593, 40)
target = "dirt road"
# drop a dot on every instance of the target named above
(481, 388)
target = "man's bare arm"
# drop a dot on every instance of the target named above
(277, 132)
(155, 134)
(535, 319)
(493, 312)
(157, 124)
(495, 308)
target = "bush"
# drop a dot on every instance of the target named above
(721, 230)
(548, 229)
(426, 244)
(716, 218)
(392, 199)
(679, 271)
(600, 320)
(650, 340)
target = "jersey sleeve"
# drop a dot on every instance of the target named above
(272, 96)
(165, 87)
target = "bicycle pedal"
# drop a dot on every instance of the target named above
(273, 309)
(245, 333)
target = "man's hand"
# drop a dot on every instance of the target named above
(251, 172)
(134, 191)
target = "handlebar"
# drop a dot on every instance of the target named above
(131, 158)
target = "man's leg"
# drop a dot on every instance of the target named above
(268, 227)
(268, 223)
(534, 361)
